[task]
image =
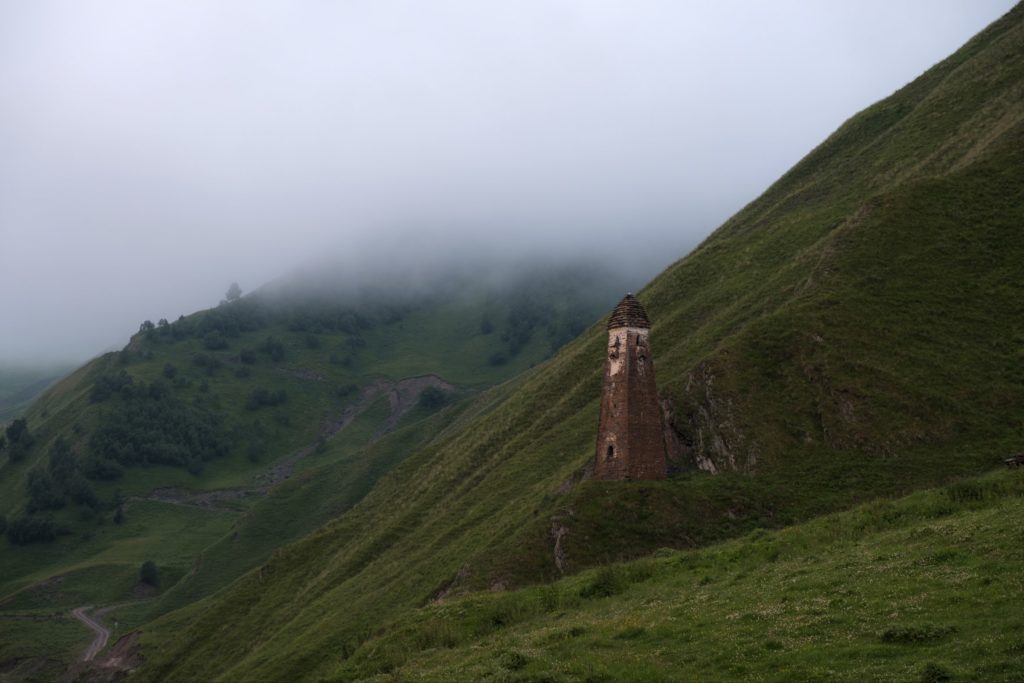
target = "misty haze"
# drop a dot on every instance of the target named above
(155, 152)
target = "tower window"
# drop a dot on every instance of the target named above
(611, 452)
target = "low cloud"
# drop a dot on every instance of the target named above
(152, 152)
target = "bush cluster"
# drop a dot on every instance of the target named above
(31, 528)
(433, 398)
(149, 425)
(261, 397)
(50, 488)
(237, 315)
(907, 635)
(148, 573)
(17, 440)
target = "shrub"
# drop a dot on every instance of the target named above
(512, 660)
(81, 492)
(255, 451)
(550, 598)
(436, 633)
(974, 491)
(909, 635)
(109, 384)
(213, 341)
(608, 581)
(262, 397)
(630, 633)
(16, 452)
(273, 348)
(62, 466)
(345, 390)
(248, 357)
(31, 529)
(148, 573)
(170, 371)
(97, 467)
(43, 492)
(433, 398)
(208, 363)
(19, 440)
(933, 673)
(17, 431)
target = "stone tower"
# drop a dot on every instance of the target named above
(630, 438)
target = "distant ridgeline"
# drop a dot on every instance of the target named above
(516, 311)
(258, 375)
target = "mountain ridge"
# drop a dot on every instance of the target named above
(843, 338)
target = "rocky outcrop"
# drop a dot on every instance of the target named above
(705, 433)
(558, 534)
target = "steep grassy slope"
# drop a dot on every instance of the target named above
(306, 403)
(927, 584)
(855, 332)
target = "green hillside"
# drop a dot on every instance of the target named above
(209, 441)
(854, 333)
(923, 588)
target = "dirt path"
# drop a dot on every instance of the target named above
(402, 396)
(101, 631)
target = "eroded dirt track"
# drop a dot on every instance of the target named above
(402, 396)
(101, 631)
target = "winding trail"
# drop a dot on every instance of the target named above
(101, 631)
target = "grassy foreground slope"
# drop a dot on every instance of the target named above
(926, 587)
(855, 332)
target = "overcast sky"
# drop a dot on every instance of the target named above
(152, 152)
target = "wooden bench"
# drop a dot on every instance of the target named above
(1015, 460)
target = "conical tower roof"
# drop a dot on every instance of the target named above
(629, 313)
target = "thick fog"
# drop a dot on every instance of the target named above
(153, 152)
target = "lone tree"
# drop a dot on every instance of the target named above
(18, 439)
(17, 430)
(148, 573)
(234, 292)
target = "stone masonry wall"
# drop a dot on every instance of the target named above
(630, 440)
